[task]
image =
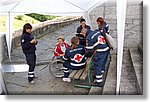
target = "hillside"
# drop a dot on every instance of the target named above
(19, 21)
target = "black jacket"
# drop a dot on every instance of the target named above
(27, 47)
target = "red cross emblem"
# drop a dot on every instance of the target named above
(78, 58)
(101, 39)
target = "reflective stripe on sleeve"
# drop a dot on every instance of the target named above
(100, 50)
(81, 64)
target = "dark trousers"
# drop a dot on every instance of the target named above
(100, 60)
(31, 61)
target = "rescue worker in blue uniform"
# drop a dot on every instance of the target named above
(74, 58)
(96, 42)
(103, 27)
(28, 44)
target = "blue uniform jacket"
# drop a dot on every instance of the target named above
(96, 40)
(76, 56)
(104, 28)
(27, 47)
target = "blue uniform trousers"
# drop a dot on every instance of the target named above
(31, 61)
(100, 60)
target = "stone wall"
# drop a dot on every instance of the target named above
(133, 24)
(44, 28)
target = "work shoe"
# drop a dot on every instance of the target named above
(66, 80)
(96, 84)
(32, 82)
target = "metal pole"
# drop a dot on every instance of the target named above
(9, 32)
(121, 15)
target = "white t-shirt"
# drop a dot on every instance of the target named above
(63, 48)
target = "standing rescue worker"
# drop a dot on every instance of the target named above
(96, 41)
(103, 27)
(28, 43)
(101, 55)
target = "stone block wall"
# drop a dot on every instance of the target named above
(133, 24)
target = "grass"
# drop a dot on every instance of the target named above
(19, 21)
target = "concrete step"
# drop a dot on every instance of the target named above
(128, 83)
(137, 62)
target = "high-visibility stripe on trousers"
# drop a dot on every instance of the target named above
(66, 72)
(99, 78)
(30, 76)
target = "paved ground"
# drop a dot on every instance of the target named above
(17, 83)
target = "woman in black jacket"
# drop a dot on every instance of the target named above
(28, 43)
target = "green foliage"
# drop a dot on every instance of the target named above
(41, 17)
(20, 17)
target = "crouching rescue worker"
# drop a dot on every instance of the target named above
(98, 44)
(74, 58)
(28, 44)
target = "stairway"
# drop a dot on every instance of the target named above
(137, 62)
(131, 74)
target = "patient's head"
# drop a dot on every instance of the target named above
(61, 40)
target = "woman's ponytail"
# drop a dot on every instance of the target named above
(74, 42)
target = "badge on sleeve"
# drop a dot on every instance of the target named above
(101, 40)
(22, 40)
